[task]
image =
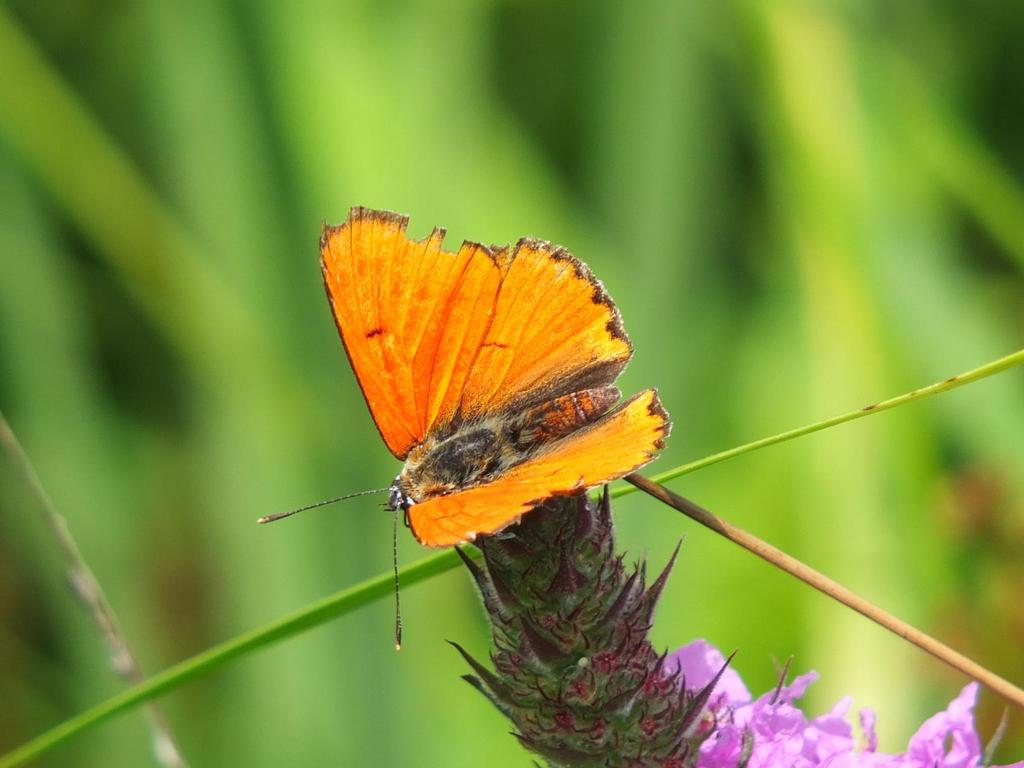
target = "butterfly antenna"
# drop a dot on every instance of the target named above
(282, 515)
(394, 562)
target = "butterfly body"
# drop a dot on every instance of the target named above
(475, 453)
(482, 450)
(488, 371)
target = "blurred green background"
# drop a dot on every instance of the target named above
(800, 208)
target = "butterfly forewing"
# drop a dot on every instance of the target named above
(434, 335)
(408, 312)
(553, 328)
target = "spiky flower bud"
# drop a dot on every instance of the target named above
(573, 668)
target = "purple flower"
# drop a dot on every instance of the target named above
(777, 734)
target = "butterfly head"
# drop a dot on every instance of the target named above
(397, 498)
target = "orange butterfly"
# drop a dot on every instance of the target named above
(488, 372)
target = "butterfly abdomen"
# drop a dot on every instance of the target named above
(557, 418)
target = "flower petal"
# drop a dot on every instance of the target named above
(783, 737)
(698, 663)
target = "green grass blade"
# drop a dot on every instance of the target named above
(975, 374)
(311, 616)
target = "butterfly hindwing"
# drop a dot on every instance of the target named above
(615, 445)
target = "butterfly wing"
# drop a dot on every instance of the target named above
(436, 336)
(411, 317)
(554, 330)
(617, 444)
